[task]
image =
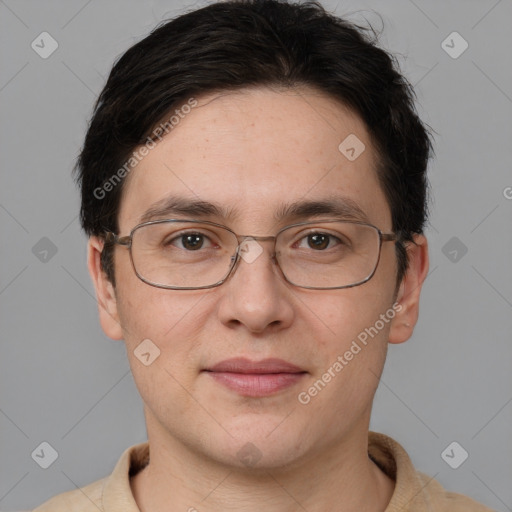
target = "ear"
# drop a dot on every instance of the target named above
(105, 293)
(408, 297)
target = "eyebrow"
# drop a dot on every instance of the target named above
(338, 206)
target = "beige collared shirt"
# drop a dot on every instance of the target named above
(414, 491)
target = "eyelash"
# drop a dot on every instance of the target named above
(312, 233)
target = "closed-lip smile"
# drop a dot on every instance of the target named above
(255, 378)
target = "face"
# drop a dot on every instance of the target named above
(254, 152)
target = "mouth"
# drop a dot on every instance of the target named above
(256, 378)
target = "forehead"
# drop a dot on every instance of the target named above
(253, 154)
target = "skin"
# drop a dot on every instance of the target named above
(255, 150)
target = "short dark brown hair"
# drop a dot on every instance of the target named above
(241, 43)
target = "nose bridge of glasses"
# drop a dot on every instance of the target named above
(246, 239)
(249, 247)
(256, 237)
(243, 238)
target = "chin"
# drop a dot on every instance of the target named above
(258, 445)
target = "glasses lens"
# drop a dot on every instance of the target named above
(188, 254)
(328, 254)
(182, 254)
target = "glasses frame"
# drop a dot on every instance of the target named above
(126, 241)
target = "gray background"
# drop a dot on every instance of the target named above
(62, 381)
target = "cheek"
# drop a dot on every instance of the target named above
(161, 336)
(146, 311)
(355, 323)
(343, 314)
(170, 318)
(348, 357)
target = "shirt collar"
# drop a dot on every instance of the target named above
(409, 494)
(117, 493)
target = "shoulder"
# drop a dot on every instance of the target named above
(414, 491)
(110, 493)
(442, 500)
(85, 499)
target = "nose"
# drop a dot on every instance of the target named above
(256, 294)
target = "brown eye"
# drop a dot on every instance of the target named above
(318, 241)
(192, 241)
(189, 241)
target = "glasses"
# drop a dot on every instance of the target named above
(191, 254)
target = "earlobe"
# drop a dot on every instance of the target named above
(408, 296)
(105, 293)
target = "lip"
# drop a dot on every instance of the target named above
(255, 378)
(244, 365)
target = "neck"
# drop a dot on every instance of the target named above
(340, 477)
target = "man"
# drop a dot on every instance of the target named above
(254, 189)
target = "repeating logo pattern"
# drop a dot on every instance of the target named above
(62, 380)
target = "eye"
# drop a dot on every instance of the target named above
(190, 241)
(319, 241)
